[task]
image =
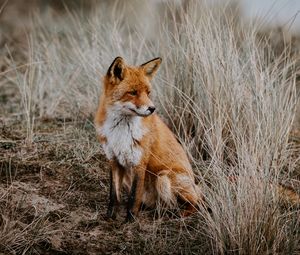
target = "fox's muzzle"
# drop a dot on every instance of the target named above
(151, 109)
(143, 111)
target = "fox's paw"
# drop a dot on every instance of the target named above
(130, 217)
(111, 214)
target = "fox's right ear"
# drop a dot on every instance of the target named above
(116, 70)
(151, 67)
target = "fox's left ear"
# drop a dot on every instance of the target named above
(116, 71)
(151, 67)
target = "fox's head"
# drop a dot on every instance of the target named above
(128, 88)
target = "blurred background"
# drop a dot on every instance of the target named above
(271, 13)
(228, 87)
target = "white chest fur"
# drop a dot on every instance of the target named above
(122, 133)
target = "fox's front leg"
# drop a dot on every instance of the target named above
(136, 192)
(116, 179)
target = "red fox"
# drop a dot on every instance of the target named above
(144, 154)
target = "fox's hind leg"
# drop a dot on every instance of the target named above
(188, 192)
(172, 186)
(190, 206)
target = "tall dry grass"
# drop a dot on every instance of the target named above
(229, 99)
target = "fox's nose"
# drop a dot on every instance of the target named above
(151, 109)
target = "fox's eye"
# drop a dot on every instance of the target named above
(148, 92)
(132, 93)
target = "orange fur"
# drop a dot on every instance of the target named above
(154, 167)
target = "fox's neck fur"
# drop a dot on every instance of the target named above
(123, 133)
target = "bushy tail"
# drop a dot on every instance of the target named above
(288, 195)
(164, 189)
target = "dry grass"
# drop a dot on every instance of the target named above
(225, 90)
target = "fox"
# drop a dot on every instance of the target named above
(144, 155)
